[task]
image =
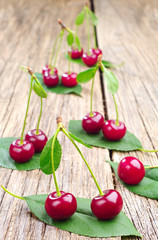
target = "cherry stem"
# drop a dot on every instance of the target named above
(12, 193)
(91, 102)
(95, 38)
(88, 30)
(52, 158)
(67, 134)
(22, 134)
(53, 49)
(146, 150)
(58, 49)
(148, 167)
(69, 63)
(117, 120)
(37, 129)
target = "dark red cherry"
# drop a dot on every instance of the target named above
(69, 80)
(21, 153)
(47, 69)
(113, 132)
(93, 124)
(61, 207)
(50, 80)
(96, 51)
(107, 206)
(38, 140)
(75, 53)
(131, 170)
(89, 59)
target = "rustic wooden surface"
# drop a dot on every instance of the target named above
(127, 31)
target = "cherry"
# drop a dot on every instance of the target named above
(69, 80)
(131, 170)
(75, 53)
(21, 153)
(38, 140)
(60, 207)
(93, 124)
(50, 80)
(96, 51)
(89, 59)
(113, 132)
(107, 206)
(47, 69)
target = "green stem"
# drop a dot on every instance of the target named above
(53, 49)
(88, 30)
(22, 134)
(11, 193)
(146, 150)
(58, 49)
(117, 120)
(52, 158)
(37, 129)
(95, 39)
(67, 134)
(69, 63)
(91, 102)
(148, 167)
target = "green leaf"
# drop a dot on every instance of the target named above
(128, 143)
(111, 81)
(7, 162)
(146, 188)
(60, 89)
(38, 89)
(70, 39)
(45, 158)
(83, 222)
(79, 140)
(93, 17)
(78, 42)
(80, 18)
(86, 76)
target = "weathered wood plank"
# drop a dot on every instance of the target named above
(32, 27)
(128, 31)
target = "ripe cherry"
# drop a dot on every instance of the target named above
(107, 206)
(50, 80)
(113, 132)
(93, 124)
(47, 69)
(38, 140)
(21, 153)
(60, 207)
(75, 53)
(131, 170)
(89, 59)
(69, 79)
(96, 51)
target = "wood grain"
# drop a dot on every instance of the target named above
(127, 31)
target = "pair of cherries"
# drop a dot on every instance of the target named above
(52, 79)
(34, 142)
(103, 207)
(90, 59)
(111, 131)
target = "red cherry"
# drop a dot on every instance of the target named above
(93, 124)
(75, 53)
(21, 153)
(38, 140)
(47, 69)
(107, 206)
(96, 51)
(113, 132)
(131, 170)
(61, 207)
(89, 60)
(69, 80)
(50, 80)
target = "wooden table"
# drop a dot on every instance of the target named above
(127, 31)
